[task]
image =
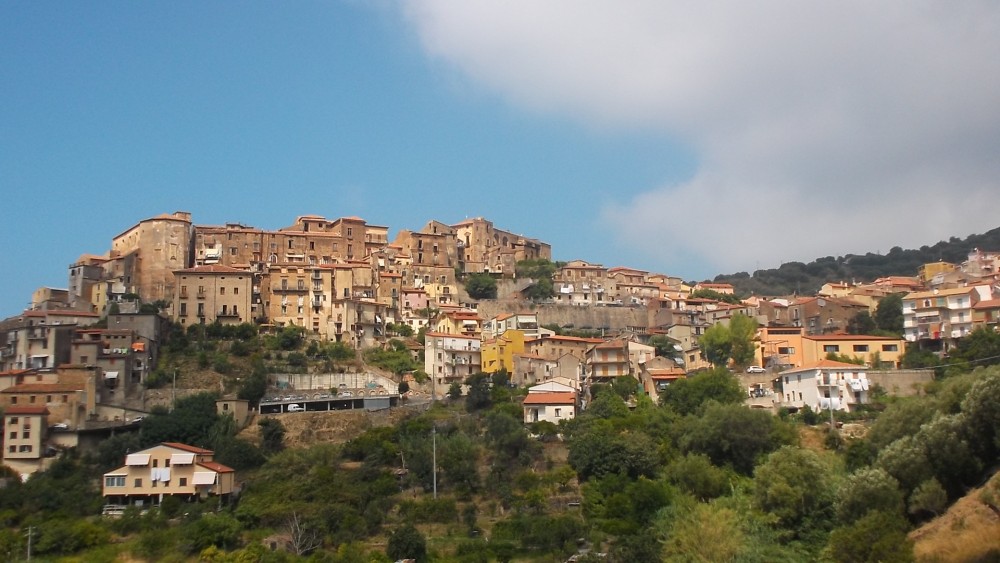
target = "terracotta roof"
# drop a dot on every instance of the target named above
(569, 339)
(43, 388)
(555, 398)
(826, 364)
(447, 335)
(828, 337)
(187, 448)
(217, 467)
(987, 304)
(26, 409)
(940, 292)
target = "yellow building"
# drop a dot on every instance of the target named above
(877, 351)
(206, 294)
(498, 353)
(927, 272)
(169, 469)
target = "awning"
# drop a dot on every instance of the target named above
(138, 346)
(137, 459)
(111, 375)
(181, 459)
(204, 478)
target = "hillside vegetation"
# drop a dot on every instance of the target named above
(805, 279)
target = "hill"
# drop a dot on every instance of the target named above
(797, 277)
(968, 531)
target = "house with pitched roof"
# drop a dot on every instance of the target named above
(550, 402)
(824, 385)
(168, 469)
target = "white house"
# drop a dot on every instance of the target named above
(550, 401)
(825, 385)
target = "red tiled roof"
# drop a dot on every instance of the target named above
(988, 304)
(555, 398)
(217, 467)
(828, 337)
(187, 448)
(826, 364)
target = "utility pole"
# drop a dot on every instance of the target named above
(31, 531)
(434, 458)
(173, 391)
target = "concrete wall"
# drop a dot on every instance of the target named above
(612, 319)
(903, 382)
(326, 381)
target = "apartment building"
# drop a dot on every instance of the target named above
(169, 469)
(40, 339)
(552, 346)
(111, 352)
(498, 351)
(86, 283)
(942, 315)
(458, 321)
(214, 293)
(608, 360)
(825, 385)
(24, 432)
(450, 358)
(580, 283)
(878, 352)
(823, 315)
(531, 369)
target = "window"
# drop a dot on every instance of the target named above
(558, 413)
(13, 435)
(166, 462)
(31, 399)
(860, 347)
(236, 291)
(890, 347)
(201, 309)
(13, 400)
(831, 348)
(25, 449)
(12, 449)
(184, 481)
(156, 463)
(26, 434)
(232, 251)
(13, 420)
(222, 291)
(184, 309)
(785, 350)
(138, 482)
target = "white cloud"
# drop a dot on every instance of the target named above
(821, 127)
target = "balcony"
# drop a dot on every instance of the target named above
(226, 313)
(201, 294)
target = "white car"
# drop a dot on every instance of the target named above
(755, 369)
(295, 407)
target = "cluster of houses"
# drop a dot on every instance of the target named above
(342, 280)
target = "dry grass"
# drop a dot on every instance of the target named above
(968, 531)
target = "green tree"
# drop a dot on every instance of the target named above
(686, 396)
(742, 330)
(705, 532)
(982, 411)
(478, 396)
(600, 450)
(735, 435)
(861, 323)
(541, 271)
(272, 435)
(889, 314)
(929, 498)
(717, 345)
(795, 486)
(664, 345)
(481, 286)
(406, 542)
(878, 537)
(979, 348)
(190, 422)
(866, 490)
(715, 296)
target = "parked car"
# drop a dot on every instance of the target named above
(345, 394)
(295, 407)
(755, 369)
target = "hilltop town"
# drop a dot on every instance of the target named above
(575, 324)
(182, 338)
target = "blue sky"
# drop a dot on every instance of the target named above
(661, 135)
